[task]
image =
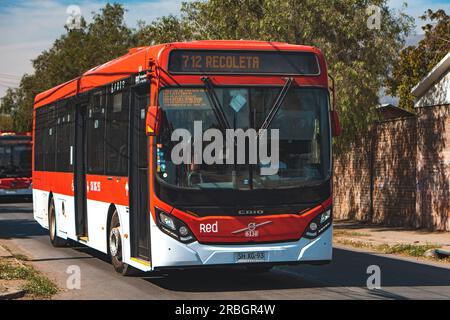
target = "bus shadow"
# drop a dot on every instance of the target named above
(20, 229)
(225, 280)
(21, 199)
(349, 269)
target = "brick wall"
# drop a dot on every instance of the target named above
(351, 185)
(433, 167)
(399, 174)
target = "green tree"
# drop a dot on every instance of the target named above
(5, 123)
(163, 30)
(414, 62)
(358, 57)
(10, 107)
(75, 52)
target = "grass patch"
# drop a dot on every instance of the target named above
(20, 257)
(345, 233)
(36, 284)
(11, 271)
(356, 244)
(410, 250)
(40, 286)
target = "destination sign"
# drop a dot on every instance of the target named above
(176, 98)
(243, 62)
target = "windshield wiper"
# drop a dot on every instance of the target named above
(217, 107)
(276, 105)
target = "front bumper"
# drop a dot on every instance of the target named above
(168, 252)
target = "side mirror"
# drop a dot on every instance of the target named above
(335, 123)
(152, 122)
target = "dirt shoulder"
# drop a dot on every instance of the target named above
(20, 280)
(401, 241)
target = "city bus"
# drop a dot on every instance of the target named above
(15, 165)
(105, 171)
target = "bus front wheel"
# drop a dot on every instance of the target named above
(115, 246)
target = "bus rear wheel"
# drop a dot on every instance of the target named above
(52, 227)
(115, 246)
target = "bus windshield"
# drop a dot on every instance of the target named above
(303, 129)
(15, 160)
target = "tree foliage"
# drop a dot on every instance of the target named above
(5, 123)
(75, 52)
(414, 62)
(163, 30)
(359, 58)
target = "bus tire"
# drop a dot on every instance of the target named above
(115, 246)
(52, 227)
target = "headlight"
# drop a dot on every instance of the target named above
(174, 227)
(167, 221)
(318, 225)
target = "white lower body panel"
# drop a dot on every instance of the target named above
(168, 252)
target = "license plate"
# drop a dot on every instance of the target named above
(248, 257)
(10, 192)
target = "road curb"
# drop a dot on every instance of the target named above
(4, 253)
(443, 252)
(12, 295)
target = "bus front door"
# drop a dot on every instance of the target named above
(138, 174)
(80, 173)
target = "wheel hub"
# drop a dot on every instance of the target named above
(114, 242)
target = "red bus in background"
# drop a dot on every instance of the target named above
(103, 173)
(15, 164)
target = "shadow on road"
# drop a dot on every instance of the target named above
(18, 228)
(16, 200)
(16, 220)
(349, 269)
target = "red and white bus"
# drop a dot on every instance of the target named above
(15, 165)
(103, 174)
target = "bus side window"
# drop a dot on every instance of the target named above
(40, 125)
(117, 120)
(50, 138)
(63, 137)
(96, 133)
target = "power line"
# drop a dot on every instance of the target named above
(9, 81)
(9, 75)
(6, 86)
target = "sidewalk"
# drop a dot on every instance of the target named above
(20, 280)
(9, 288)
(348, 232)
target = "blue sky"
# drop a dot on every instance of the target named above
(29, 26)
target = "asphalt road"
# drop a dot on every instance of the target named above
(345, 278)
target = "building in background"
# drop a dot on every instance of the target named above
(434, 89)
(433, 146)
(399, 174)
